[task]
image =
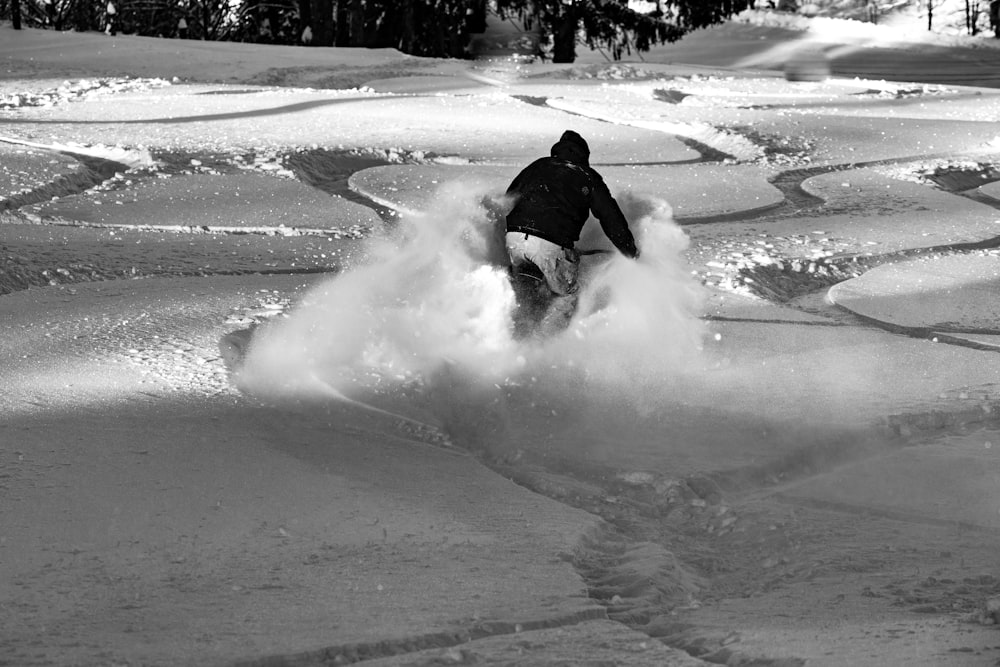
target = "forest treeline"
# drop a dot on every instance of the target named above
(436, 28)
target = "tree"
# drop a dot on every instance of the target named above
(930, 15)
(612, 25)
(437, 29)
(83, 15)
(321, 21)
(972, 12)
(349, 23)
(211, 19)
(431, 28)
(434, 28)
(15, 14)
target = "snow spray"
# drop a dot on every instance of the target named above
(433, 301)
(432, 293)
(636, 325)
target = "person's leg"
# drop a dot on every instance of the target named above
(560, 268)
(559, 315)
(531, 294)
(517, 249)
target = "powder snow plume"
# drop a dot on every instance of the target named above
(435, 296)
(430, 294)
(636, 324)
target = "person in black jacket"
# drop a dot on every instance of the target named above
(553, 198)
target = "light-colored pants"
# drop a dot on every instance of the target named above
(560, 266)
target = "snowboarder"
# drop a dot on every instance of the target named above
(553, 198)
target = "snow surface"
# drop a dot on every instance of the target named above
(715, 353)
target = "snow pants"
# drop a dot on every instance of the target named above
(559, 266)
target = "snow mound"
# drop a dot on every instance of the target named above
(602, 72)
(71, 91)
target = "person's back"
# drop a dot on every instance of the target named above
(553, 198)
(555, 195)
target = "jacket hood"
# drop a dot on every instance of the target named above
(572, 147)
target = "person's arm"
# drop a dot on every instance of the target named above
(521, 180)
(613, 222)
(515, 185)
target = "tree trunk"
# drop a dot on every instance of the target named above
(208, 27)
(274, 20)
(343, 22)
(322, 22)
(477, 16)
(350, 23)
(930, 15)
(83, 16)
(407, 34)
(375, 33)
(564, 39)
(972, 17)
(305, 19)
(356, 23)
(15, 14)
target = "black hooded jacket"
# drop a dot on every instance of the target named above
(555, 195)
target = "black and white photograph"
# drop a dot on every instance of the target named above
(554, 333)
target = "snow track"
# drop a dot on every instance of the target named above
(154, 337)
(705, 515)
